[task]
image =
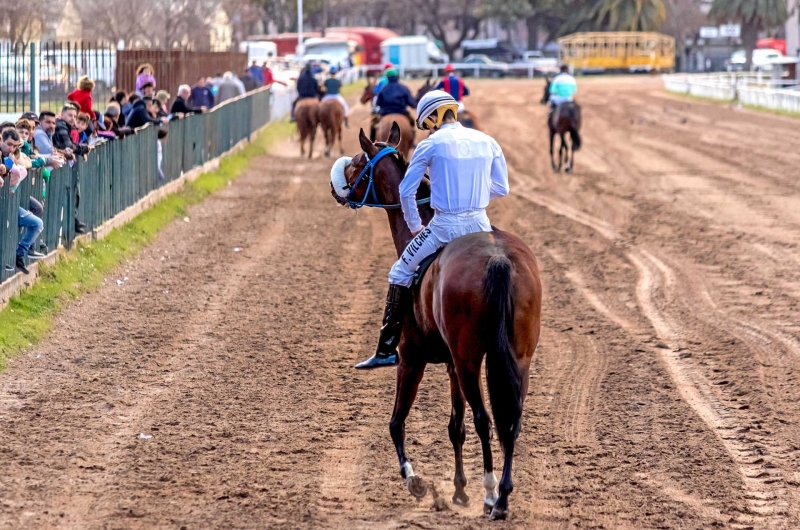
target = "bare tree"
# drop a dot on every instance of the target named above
(109, 20)
(26, 19)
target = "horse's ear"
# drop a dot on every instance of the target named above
(394, 135)
(367, 146)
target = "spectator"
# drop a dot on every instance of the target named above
(127, 108)
(162, 98)
(120, 98)
(257, 73)
(180, 106)
(248, 81)
(112, 119)
(201, 95)
(25, 130)
(31, 225)
(62, 140)
(148, 90)
(43, 135)
(229, 88)
(144, 76)
(144, 112)
(65, 132)
(82, 126)
(83, 95)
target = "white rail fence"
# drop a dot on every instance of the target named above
(745, 88)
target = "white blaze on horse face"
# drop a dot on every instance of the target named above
(338, 179)
(490, 485)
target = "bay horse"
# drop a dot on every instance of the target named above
(369, 92)
(306, 114)
(466, 117)
(331, 116)
(481, 296)
(566, 118)
(407, 131)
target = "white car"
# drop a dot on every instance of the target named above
(761, 58)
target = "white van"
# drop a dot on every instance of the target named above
(412, 52)
(260, 51)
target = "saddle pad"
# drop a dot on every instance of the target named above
(423, 268)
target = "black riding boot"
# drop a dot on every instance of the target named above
(386, 354)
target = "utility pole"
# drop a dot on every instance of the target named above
(301, 49)
(324, 16)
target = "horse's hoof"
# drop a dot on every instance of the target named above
(417, 487)
(487, 508)
(498, 514)
(460, 498)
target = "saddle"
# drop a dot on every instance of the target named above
(424, 265)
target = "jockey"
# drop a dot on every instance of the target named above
(454, 86)
(307, 87)
(381, 83)
(395, 97)
(467, 169)
(562, 88)
(332, 91)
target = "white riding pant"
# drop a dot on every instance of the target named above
(443, 228)
(341, 100)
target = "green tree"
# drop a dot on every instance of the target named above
(627, 15)
(753, 15)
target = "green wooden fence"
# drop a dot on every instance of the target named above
(119, 173)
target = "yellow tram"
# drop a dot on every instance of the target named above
(631, 51)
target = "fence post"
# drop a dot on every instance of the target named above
(34, 79)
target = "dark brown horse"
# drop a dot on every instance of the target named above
(481, 297)
(331, 116)
(467, 118)
(564, 119)
(369, 91)
(306, 115)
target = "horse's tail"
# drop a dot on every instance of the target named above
(575, 135)
(502, 371)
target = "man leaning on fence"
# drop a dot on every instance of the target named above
(62, 140)
(31, 225)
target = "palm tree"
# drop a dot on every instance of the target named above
(753, 15)
(627, 15)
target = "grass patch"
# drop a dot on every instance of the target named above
(30, 314)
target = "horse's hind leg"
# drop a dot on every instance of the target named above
(507, 430)
(458, 433)
(408, 379)
(312, 135)
(561, 151)
(341, 145)
(470, 381)
(552, 144)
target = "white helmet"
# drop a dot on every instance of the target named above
(438, 101)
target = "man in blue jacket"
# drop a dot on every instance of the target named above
(395, 97)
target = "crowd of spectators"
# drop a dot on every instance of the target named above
(51, 140)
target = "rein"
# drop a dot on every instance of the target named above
(369, 173)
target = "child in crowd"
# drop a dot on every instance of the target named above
(144, 75)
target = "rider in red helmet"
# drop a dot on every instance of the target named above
(454, 86)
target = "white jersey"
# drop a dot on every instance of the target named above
(466, 167)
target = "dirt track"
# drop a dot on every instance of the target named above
(665, 391)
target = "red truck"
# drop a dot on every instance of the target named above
(371, 37)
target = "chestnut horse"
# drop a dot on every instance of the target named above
(481, 297)
(565, 119)
(466, 117)
(408, 132)
(331, 116)
(306, 114)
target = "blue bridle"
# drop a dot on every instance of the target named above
(369, 173)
